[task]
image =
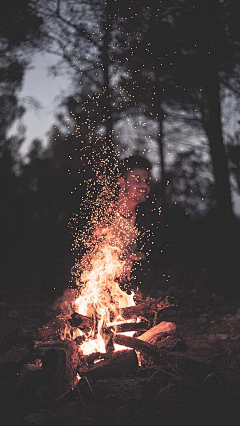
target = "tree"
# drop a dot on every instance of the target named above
(19, 28)
(206, 59)
(166, 44)
(186, 61)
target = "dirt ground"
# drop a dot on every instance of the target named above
(209, 328)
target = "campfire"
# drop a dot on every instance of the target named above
(103, 330)
(102, 323)
(100, 309)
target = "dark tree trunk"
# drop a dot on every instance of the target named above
(163, 173)
(213, 128)
(224, 230)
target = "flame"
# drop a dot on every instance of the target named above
(101, 297)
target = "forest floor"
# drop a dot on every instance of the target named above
(209, 326)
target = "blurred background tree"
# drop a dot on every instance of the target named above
(148, 77)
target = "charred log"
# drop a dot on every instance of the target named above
(114, 365)
(132, 326)
(81, 321)
(96, 356)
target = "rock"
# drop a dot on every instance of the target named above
(222, 336)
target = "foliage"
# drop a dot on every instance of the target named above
(19, 27)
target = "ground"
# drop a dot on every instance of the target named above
(209, 328)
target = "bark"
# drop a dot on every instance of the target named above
(159, 331)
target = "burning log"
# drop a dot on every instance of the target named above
(81, 321)
(132, 326)
(138, 345)
(149, 307)
(95, 356)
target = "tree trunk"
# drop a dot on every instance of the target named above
(162, 161)
(213, 128)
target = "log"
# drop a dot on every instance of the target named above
(130, 326)
(158, 332)
(152, 306)
(164, 336)
(95, 356)
(114, 365)
(138, 345)
(181, 363)
(81, 321)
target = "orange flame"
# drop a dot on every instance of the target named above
(101, 297)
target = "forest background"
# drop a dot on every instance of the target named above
(159, 78)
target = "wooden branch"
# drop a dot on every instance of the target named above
(149, 307)
(138, 345)
(161, 330)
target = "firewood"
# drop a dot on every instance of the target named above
(81, 321)
(130, 326)
(95, 356)
(184, 363)
(149, 307)
(114, 365)
(138, 345)
(159, 331)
